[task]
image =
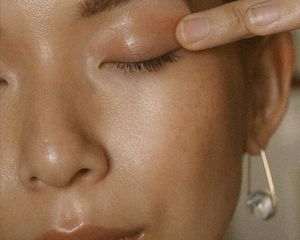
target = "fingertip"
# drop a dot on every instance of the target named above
(191, 31)
(180, 37)
(261, 15)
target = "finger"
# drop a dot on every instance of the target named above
(237, 20)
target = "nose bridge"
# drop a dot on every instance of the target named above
(54, 150)
(45, 109)
(45, 127)
(47, 141)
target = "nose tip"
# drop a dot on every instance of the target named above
(64, 165)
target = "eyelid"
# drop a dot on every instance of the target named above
(150, 65)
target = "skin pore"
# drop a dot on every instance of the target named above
(85, 140)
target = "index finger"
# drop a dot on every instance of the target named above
(237, 20)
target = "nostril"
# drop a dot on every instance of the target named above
(83, 172)
(34, 180)
(3, 83)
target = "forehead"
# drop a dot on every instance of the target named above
(72, 8)
(91, 5)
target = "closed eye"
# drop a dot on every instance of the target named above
(151, 65)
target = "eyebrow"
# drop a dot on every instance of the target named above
(89, 8)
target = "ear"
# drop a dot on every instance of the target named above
(269, 84)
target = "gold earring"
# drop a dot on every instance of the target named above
(262, 202)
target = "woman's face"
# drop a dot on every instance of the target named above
(88, 139)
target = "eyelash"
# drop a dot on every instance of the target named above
(151, 65)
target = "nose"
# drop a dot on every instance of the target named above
(55, 150)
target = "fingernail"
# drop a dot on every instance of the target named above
(195, 29)
(264, 14)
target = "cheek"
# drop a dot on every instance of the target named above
(176, 138)
(180, 139)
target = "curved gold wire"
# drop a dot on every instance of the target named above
(268, 175)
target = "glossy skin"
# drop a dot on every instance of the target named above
(159, 150)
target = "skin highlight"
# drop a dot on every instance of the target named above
(82, 144)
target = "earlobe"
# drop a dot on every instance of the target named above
(269, 90)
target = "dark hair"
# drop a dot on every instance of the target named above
(195, 4)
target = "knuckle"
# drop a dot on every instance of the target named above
(238, 15)
(240, 22)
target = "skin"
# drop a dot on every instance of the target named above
(81, 145)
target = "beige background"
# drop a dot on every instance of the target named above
(284, 158)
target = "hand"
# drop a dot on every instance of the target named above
(237, 20)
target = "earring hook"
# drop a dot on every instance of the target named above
(263, 203)
(269, 175)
